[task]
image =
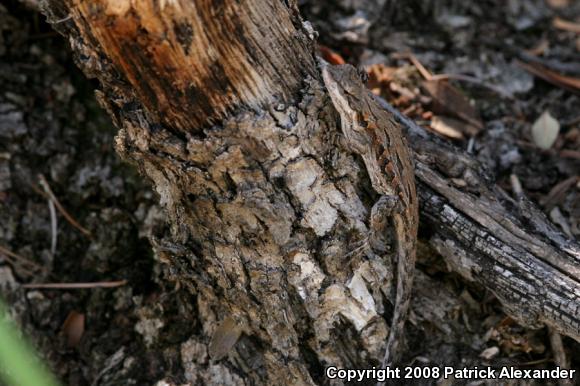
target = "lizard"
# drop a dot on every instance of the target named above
(371, 132)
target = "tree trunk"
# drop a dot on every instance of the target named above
(221, 106)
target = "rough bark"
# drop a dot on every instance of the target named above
(263, 204)
(230, 122)
(506, 244)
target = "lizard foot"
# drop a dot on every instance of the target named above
(381, 214)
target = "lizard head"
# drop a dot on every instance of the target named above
(348, 95)
(345, 78)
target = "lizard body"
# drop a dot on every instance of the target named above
(371, 132)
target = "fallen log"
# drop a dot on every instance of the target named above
(506, 244)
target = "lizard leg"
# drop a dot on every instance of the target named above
(380, 224)
(360, 247)
(379, 239)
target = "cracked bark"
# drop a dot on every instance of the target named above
(507, 245)
(220, 105)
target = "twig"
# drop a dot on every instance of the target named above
(53, 227)
(573, 154)
(98, 284)
(111, 362)
(516, 186)
(470, 145)
(410, 109)
(566, 82)
(535, 260)
(566, 25)
(58, 21)
(465, 78)
(16, 258)
(471, 79)
(424, 72)
(557, 193)
(61, 209)
(571, 122)
(537, 362)
(570, 68)
(559, 353)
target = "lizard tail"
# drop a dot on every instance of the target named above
(405, 272)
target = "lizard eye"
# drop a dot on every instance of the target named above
(362, 121)
(363, 75)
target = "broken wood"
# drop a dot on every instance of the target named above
(506, 244)
(221, 106)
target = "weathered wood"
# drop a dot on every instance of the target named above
(507, 245)
(206, 58)
(265, 203)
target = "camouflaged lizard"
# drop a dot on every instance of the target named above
(371, 132)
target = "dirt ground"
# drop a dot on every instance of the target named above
(508, 62)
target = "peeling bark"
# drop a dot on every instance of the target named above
(219, 104)
(264, 204)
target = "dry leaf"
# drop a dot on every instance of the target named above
(545, 131)
(558, 3)
(73, 328)
(566, 25)
(403, 91)
(453, 128)
(446, 127)
(448, 99)
(539, 49)
(381, 73)
(489, 353)
(513, 338)
(566, 82)
(330, 56)
(558, 193)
